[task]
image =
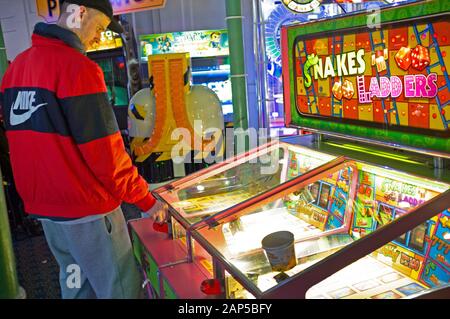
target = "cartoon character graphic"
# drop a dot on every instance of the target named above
(148, 49)
(214, 41)
(164, 43)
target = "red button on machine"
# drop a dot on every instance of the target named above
(211, 287)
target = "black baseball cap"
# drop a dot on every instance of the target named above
(102, 6)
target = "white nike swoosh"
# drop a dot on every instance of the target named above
(15, 119)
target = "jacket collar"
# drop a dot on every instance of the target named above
(54, 31)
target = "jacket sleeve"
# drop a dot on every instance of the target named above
(93, 126)
(3, 80)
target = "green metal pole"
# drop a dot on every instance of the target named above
(9, 286)
(3, 59)
(238, 77)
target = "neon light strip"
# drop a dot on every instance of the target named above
(377, 153)
(365, 149)
(405, 178)
(310, 153)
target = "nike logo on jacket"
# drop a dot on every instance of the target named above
(25, 101)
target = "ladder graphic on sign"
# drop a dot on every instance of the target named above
(429, 28)
(362, 94)
(334, 101)
(393, 109)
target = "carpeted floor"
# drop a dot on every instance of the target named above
(37, 268)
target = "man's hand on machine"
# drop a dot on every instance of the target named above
(158, 212)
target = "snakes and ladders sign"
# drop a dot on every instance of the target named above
(394, 77)
(388, 85)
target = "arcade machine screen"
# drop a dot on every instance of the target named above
(214, 72)
(115, 78)
(108, 54)
(210, 59)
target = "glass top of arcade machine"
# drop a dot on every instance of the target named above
(325, 213)
(231, 182)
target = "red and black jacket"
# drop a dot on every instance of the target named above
(67, 154)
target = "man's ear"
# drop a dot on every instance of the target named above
(83, 12)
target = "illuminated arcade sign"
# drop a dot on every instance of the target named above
(388, 84)
(390, 77)
(353, 63)
(49, 9)
(128, 6)
(302, 6)
(108, 40)
(197, 43)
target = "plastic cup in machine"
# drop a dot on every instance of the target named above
(280, 250)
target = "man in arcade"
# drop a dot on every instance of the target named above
(68, 158)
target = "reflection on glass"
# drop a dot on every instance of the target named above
(324, 194)
(314, 189)
(393, 271)
(306, 196)
(404, 266)
(417, 238)
(236, 182)
(401, 239)
(317, 231)
(385, 214)
(233, 186)
(322, 222)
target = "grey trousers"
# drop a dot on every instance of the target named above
(95, 258)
